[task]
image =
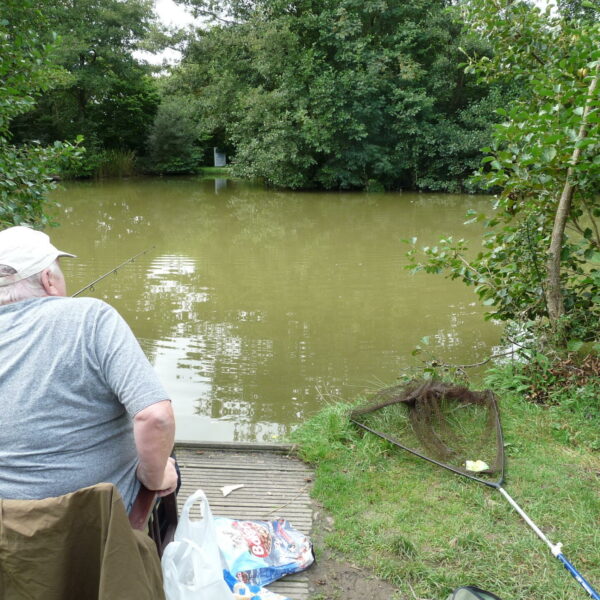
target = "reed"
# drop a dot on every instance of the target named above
(116, 163)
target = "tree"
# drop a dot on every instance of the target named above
(26, 172)
(338, 93)
(541, 254)
(174, 141)
(107, 95)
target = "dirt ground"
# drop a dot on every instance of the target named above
(333, 579)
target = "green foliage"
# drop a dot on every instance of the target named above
(105, 94)
(580, 9)
(549, 138)
(26, 172)
(338, 93)
(568, 386)
(175, 138)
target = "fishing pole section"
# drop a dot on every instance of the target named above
(126, 262)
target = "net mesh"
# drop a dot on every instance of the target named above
(450, 424)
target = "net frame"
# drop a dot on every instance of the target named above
(423, 399)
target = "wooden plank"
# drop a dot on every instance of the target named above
(252, 484)
(256, 480)
(276, 485)
(251, 457)
(235, 446)
(241, 467)
(291, 491)
(251, 489)
(257, 512)
(220, 470)
(257, 457)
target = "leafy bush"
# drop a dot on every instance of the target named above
(174, 141)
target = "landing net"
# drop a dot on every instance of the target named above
(454, 428)
(448, 425)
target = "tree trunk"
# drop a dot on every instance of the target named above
(554, 295)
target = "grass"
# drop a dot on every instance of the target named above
(428, 531)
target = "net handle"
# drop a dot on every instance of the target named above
(556, 549)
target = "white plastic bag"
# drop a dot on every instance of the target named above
(191, 564)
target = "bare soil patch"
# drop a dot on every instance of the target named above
(333, 578)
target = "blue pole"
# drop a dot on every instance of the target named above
(554, 548)
(578, 577)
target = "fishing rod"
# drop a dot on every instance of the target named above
(129, 260)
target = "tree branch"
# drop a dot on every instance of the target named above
(213, 15)
(554, 295)
(477, 364)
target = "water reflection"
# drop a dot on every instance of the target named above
(254, 304)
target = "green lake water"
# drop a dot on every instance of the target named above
(256, 307)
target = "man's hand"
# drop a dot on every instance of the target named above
(169, 484)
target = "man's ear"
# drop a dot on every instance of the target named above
(50, 283)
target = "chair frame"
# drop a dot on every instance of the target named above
(157, 515)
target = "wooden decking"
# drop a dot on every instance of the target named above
(275, 485)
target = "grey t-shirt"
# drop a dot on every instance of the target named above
(72, 376)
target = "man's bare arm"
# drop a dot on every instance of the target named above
(154, 432)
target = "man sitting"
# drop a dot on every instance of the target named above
(79, 402)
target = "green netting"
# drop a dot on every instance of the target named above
(449, 425)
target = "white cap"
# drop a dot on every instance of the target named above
(27, 251)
